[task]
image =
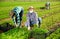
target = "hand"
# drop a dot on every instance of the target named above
(29, 28)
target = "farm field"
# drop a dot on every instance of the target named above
(50, 19)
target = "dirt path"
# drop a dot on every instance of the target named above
(53, 28)
(5, 19)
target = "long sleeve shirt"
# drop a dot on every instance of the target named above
(33, 17)
(17, 11)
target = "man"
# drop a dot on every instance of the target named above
(32, 18)
(16, 15)
(47, 5)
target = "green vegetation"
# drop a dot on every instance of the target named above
(47, 22)
(16, 33)
(55, 35)
(29, 0)
(38, 33)
(7, 6)
(22, 33)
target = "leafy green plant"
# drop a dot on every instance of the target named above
(38, 33)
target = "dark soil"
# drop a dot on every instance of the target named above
(5, 27)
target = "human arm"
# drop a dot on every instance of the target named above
(36, 19)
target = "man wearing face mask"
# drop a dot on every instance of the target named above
(32, 18)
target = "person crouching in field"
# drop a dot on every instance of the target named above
(47, 5)
(16, 15)
(32, 18)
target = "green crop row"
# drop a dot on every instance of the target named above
(48, 21)
(23, 33)
(55, 35)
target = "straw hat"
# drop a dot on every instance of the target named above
(31, 7)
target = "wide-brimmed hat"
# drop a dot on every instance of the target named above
(31, 7)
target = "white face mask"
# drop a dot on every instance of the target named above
(31, 11)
